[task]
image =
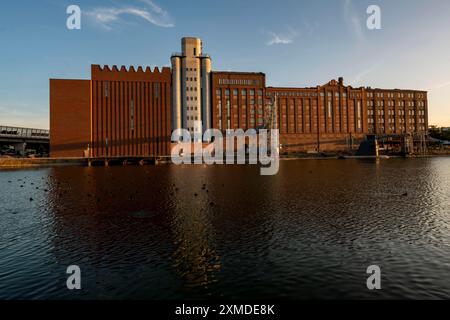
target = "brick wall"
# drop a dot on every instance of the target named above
(69, 117)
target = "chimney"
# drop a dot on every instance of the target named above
(341, 81)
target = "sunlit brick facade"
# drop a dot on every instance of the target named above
(328, 117)
(128, 112)
(238, 100)
(116, 113)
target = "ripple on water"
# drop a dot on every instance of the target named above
(191, 232)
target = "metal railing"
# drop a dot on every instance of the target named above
(27, 133)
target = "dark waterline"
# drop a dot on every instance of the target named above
(208, 232)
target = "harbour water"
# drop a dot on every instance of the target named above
(196, 232)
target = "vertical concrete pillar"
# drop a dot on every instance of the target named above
(206, 93)
(176, 93)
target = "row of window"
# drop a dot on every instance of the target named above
(380, 112)
(391, 103)
(392, 120)
(400, 95)
(236, 93)
(242, 82)
(345, 95)
(392, 129)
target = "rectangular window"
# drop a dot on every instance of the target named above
(358, 115)
(106, 89)
(132, 114)
(156, 90)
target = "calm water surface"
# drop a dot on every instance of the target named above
(197, 232)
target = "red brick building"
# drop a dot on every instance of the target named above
(238, 99)
(128, 112)
(116, 113)
(323, 118)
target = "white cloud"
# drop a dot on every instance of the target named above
(442, 85)
(353, 20)
(287, 38)
(151, 13)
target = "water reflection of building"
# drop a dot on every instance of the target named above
(195, 258)
(134, 244)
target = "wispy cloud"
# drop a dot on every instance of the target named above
(279, 38)
(353, 21)
(439, 86)
(360, 76)
(150, 12)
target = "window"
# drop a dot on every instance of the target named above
(358, 115)
(106, 89)
(195, 51)
(132, 115)
(156, 90)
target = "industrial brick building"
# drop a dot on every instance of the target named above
(238, 100)
(116, 113)
(133, 112)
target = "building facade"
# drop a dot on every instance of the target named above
(324, 118)
(133, 112)
(116, 113)
(238, 100)
(191, 97)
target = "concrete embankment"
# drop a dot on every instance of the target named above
(40, 162)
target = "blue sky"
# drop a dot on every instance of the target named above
(296, 43)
